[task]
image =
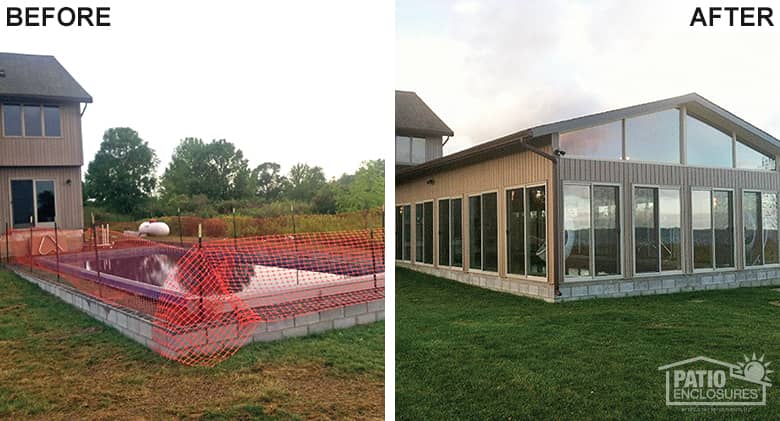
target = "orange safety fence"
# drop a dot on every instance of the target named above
(206, 301)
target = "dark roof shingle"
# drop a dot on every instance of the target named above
(40, 77)
(413, 116)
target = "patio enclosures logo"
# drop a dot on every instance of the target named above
(703, 381)
(732, 16)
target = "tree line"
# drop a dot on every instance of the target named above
(210, 178)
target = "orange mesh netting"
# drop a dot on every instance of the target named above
(207, 301)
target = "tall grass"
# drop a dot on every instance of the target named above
(247, 226)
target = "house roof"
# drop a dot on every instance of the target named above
(41, 77)
(414, 117)
(695, 104)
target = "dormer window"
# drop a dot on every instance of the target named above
(29, 120)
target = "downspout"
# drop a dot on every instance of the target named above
(86, 104)
(445, 141)
(556, 216)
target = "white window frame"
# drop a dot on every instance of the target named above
(761, 215)
(694, 269)
(35, 181)
(683, 255)
(24, 135)
(621, 208)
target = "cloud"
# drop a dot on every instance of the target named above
(514, 65)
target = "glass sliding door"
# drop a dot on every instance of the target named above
(606, 230)
(399, 233)
(444, 232)
(753, 232)
(702, 229)
(418, 232)
(646, 257)
(23, 203)
(490, 232)
(475, 232)
(769, 225)
(407, 233)
(33, 203)
(536, 230)
(428, 233)
(577, 229)
(670, 225)
(723, 225)
(456, 224)
(515, 231)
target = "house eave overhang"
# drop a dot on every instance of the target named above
(45, 98)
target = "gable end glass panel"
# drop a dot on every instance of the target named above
(604, 142)
(706, 145)
(751, 159)
(654, 137)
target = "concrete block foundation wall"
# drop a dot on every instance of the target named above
(139, 327)
(535, 289)
(579, 290)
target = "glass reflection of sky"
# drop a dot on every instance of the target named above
(707, 146)
(654, 137)
(595, 142)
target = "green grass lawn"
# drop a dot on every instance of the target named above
(58, 363)
(467, 353)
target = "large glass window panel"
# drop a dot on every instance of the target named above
(576, 222)
(645, 230)
(457, 232)
(418, 232)
(22, 203)
(654, 137)
(769, 225)
(515, 226)
(444, 232)
(32, 121)
(407, 232)
(706, 145)
(12, 120)
(403, 149)
(51, 120)
(753, 233)
(399, 232)
(749, 158)
(418, 150)
(44, 191)
(606, 230)
(702, 229)
(605, 142)
(475, 232)
(669, 223)
(723, 224)
(537, 231)
(490, 232)
(428, 232)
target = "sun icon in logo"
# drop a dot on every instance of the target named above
(754, 369)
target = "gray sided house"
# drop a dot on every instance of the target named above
(673, 195)
(40, 143)
(418, 131)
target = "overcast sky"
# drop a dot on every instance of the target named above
(492, 67)
(286, 81)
